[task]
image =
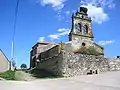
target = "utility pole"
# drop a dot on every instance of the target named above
(13, 37)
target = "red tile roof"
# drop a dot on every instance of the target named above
(44, 43)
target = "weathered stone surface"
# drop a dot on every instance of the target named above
(114, 64)
(52, 64)
(80, 64)
(71, 64)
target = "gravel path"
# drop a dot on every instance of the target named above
(108, 81)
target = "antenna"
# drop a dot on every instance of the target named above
(13, 37)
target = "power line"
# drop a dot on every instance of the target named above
(14, 29)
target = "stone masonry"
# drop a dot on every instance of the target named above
(67, 59)
(71, 64)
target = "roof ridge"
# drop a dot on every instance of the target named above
(4, 55)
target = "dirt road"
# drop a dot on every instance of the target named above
(108, 81)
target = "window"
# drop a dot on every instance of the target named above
(33, 63)
(85, 29)
(79, 27)
(82, 16)
(83, 44)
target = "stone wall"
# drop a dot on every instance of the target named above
(52, 64)
(114, 64)
(51, 60)
(50, 53)
(71, 64)
(75, 64)
(43, 48)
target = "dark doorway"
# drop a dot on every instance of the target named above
(96, 72)
(89, 73)
(83, 44)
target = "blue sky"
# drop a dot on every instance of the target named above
(50, 20)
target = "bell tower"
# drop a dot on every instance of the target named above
(81, 26)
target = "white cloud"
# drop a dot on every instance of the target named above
(41, 39)
(53, 36)
(63, 15)
(99, 3)
(56, 4)
(106, 42)
(61, 32)
(96, 13)
(67, 12)
(96, 9)
(59, 15)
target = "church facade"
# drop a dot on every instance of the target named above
(79, 56)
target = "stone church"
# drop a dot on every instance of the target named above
(79, 56)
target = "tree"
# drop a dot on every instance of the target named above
(23, 66)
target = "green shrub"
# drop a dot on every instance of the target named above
(16, 75)
(89, 51)
(8, 75)
(1, 75)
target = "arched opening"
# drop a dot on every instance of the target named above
(85, 29)
(96, 72)
(82, 16)
(83, 44)
(118, 56)
(79, 27)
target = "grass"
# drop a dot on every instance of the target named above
(39, 74)
(16, 75)
(8, 75)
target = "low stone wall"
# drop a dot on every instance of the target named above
(114, 64)
(71, 64)
(75, 64)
